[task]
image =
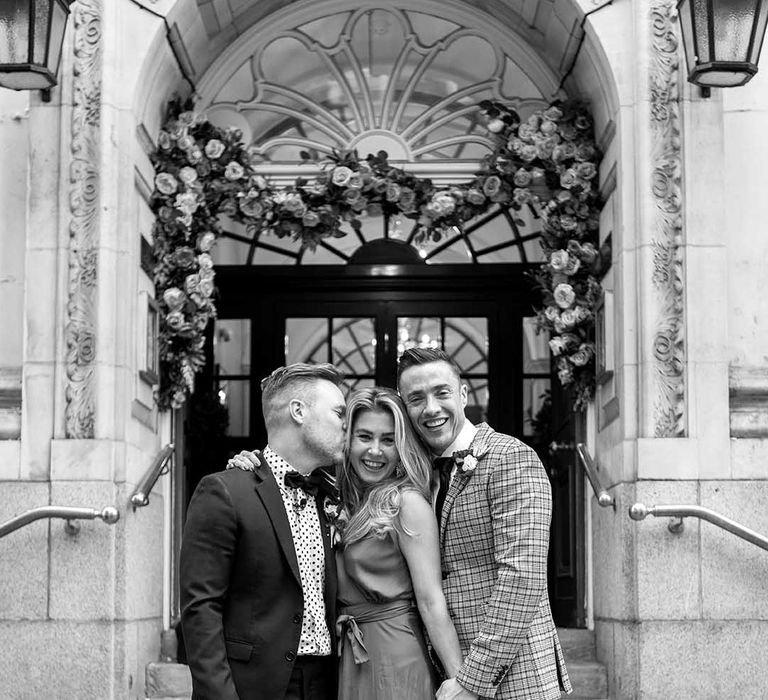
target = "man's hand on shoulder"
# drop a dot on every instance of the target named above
(451, 690)
(247, 461)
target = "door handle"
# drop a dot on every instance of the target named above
(560, 447)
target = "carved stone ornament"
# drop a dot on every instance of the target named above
(80, 331)
(669, 335)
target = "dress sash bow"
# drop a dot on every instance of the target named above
(349, 633)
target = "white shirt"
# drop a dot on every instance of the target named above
(301, 509)
(462, 442)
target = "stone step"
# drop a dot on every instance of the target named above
(168, 681)
(588, 676)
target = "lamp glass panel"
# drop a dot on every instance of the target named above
(686, 27)
(14, 31)
(733, 29)
(58, 25)
(760, 25)
(701, 27)
(40, 31)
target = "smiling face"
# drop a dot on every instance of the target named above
(372, 452)
(435, 399)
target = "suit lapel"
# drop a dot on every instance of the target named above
(459, 481)
(269, 493)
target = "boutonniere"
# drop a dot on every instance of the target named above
(332, 510)
(466, 460)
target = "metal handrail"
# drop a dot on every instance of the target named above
(110, 515)
(640, 511)
(140, 497)
(603, 497)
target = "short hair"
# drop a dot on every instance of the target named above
(297, 376)
(423, 356)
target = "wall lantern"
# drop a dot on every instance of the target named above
(31, 35)
(722, 39)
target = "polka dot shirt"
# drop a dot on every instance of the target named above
(301, 509)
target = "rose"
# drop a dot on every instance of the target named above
(559, 260)
(310, 219)
(214, 148)
(569, 318)
(191, 283)
(234, 171)
(522, 177)
(582, 355)
(174, 298)
(568, 223)
(374, 209)
(393, 192)
(206, 287)
(251, 205)
(564, 295)
(568, 132)
(175, 320)
(521, 196)
(526, 132)
(178, 399)
(496, 125)
(565, 376)
(187, 175)
(475, 196)
(573, 266)
(568, 179)
(548, 127)
(194, 156)
(164, 140)
(588, 253)
(352, 196)
(186, 142)
(341, 175)
(183, 257)
(469, 463)
(586, 171)
(528, 153)
(205, 261)
(582, 122)
(442, 204)
(166, 183)
(355, 182)
(206, 241)
(585, 151)
(557, 346)
(186, 202)
(552, 313)
(553, 113)
(492, 185)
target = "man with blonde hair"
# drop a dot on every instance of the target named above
(258, 580)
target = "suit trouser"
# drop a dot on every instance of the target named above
(313, 678)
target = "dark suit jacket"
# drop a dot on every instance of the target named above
(241, 597)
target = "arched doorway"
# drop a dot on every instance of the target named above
(406, 79)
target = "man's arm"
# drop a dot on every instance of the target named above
(207, 553)
(521, 509)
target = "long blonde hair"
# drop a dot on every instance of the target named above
(376, 509)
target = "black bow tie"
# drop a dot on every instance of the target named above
(310, 484)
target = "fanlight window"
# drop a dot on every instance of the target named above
(373, 79)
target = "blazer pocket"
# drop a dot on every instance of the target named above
(240, 651)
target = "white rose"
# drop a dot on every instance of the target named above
(564, 295)
(214, 148)
(341, 175)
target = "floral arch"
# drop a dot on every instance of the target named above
(205, 173)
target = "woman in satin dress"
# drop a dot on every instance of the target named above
(390, 584)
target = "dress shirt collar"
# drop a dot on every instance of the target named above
(463, 439)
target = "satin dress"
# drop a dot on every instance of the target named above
(383, 654)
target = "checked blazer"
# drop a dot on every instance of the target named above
(494, 537)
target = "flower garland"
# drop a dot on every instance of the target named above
(204, 172)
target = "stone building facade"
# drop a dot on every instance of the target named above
(680, 418)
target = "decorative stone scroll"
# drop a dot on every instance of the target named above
(80, 331)
(669, 335)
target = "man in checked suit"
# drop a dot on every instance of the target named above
(494, 522)
(257, 575)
